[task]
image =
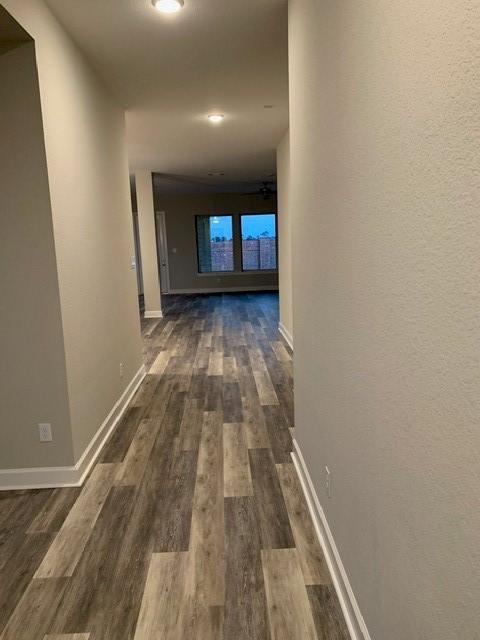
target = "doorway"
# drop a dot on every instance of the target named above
(162, 252)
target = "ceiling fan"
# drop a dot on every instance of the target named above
(265, 190)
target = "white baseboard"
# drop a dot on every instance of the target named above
(286, 334)
(53, 477)
(353, 617)
(153, 314)
(267, 287)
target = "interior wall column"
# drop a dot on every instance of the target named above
(148, 243)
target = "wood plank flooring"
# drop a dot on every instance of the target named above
(192, 525)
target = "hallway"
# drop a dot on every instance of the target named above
(292, 189)
(193, 523)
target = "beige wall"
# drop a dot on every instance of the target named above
(148, 242)
(33, 385)
(180, 212)
(92, 223)
(385, 199)
(284, 235)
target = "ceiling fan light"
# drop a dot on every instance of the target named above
(168, 6)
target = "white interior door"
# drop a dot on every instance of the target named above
(162, 252)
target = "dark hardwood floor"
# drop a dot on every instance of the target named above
(192, 524)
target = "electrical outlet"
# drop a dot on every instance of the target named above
(328, 482)
(133, 263)
(121, 370)
(45, 432)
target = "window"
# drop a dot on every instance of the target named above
(259, 241)
(214, 243)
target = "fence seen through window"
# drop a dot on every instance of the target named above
(219, 249)
(259, 241)
(215, 243)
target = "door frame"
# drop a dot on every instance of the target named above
(138, 253)
(162, 250)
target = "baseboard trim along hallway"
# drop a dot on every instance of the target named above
(53, 477)
(193, 515)
(153, 314)
(351, 611)
(267, 287)
(286, 334)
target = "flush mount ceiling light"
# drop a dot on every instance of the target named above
(216, 117)
(168, 6)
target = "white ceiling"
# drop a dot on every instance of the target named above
(169, 72)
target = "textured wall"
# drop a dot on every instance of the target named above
(33, 378)
(284, 234)
(92, 222)
(385, 198)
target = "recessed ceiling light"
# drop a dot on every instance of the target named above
(216, 117)
(168, 6)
